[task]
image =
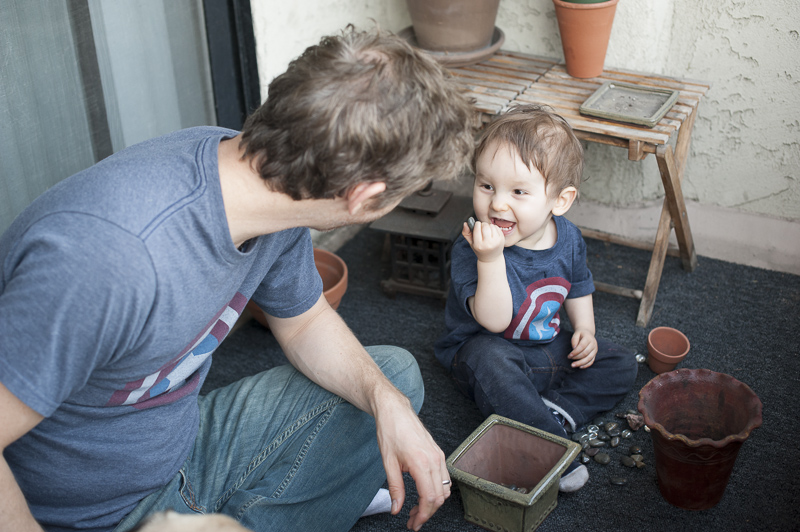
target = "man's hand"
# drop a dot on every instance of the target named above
(584, 349)
(406, 446)
(335, 359)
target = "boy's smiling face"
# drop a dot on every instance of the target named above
(513, 197)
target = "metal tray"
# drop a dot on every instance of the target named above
(629, 103)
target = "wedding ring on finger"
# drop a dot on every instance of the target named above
(445, 482)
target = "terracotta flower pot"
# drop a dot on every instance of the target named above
(666, 347)
(453, 26)
(698, 420)
(585, 30)
(333, 271)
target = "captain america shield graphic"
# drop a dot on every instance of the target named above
(537, 318)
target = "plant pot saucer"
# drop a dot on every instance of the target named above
(458, 59)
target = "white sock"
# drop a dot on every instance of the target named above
(575, 480)
(382, 503)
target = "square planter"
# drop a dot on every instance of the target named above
(502, 454)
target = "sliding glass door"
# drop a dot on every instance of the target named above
(81, 79)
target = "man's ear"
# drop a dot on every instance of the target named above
(564, 200)
(361, 194)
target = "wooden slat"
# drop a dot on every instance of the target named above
(603, 236)
(691, 93)
(662, 79)
(489, 101)
(470, 81)
(617, 290)
(506, 95)
(503, 73)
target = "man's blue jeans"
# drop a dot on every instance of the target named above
(526, 383)
(278, 453)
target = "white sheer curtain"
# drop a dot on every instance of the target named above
(80, 79)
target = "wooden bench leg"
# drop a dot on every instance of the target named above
(655, 269)
(673, 212)
(673, 199)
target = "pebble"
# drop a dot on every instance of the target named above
(637, 457)
(627, 461)
(618, 481)
(614, 441)
(584, 458)
(614, 432)
(640, 358)
(597, 443)
(611, 425)
(592, 451)
(602, 458)
(635, 421)
(627, 433)
(602, 436)
(634, 449)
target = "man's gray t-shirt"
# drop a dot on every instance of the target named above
(115, 287)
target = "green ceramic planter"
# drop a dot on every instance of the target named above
(502, 453)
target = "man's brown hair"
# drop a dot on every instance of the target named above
(541, 138)
(360, 107)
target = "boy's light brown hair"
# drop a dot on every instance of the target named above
(541, 138)
(360, 107)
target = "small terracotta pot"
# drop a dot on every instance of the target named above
(666, 347)
(585, 30)
(333, 271)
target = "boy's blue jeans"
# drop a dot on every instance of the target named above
(526, 383)
(277, 452)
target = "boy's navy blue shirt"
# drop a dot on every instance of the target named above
(540, 281)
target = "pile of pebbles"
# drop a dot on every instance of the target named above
(602, 439)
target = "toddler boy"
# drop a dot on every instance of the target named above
(512, 273)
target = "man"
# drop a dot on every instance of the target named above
(117, 284)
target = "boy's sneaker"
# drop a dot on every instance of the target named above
(560, 420)
(574, 478)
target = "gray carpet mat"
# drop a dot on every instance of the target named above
(741, 321)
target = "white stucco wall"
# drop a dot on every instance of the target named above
(745, 157)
